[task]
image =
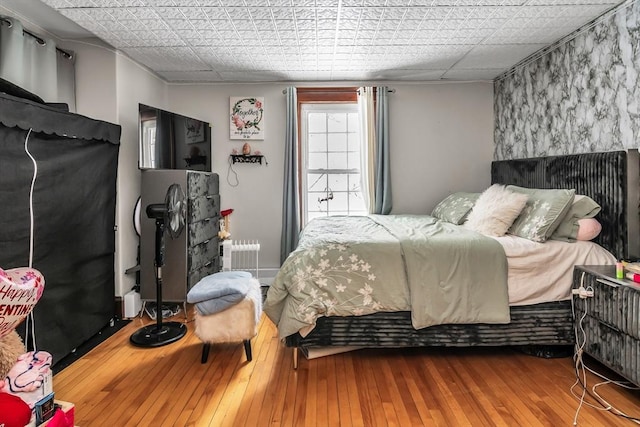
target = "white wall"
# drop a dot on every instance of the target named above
(257, 198)
(441, 141)
(134, 85)
(109, 87)
(94, 62)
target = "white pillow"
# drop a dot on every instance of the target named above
(495, 210)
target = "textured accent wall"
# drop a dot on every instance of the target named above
(583, 96)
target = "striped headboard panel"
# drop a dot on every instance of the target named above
(612, 179)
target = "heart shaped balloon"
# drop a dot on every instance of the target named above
(20, 290)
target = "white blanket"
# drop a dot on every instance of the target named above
(543, 272)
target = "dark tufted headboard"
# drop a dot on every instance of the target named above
(612, 179)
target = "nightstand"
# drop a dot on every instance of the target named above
(611, 319)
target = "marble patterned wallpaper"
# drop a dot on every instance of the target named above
(584, 96)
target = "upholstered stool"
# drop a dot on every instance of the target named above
(228, 306)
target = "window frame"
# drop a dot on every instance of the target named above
(305, 170)
(317, 95)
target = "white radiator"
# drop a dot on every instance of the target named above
(241, 255)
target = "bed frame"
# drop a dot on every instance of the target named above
(612, 179)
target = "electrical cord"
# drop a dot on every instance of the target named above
(581, 369)
(30, 329)
(234, 173)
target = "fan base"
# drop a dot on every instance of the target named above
(152, 336)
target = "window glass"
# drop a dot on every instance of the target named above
(337, 142)
(336, 122)
(317, 122)
(317, 142)
(317, 160)
(331, 151)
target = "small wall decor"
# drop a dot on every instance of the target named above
(194, 131)
(246, 118)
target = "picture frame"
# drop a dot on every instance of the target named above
(246, 118)
(194, 131)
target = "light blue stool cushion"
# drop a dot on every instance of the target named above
(220, 291)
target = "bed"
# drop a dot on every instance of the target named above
(611, 179)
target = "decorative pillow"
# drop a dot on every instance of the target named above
(588, 229)
(495, 210)
(455, 207)
(582, 207)
(543, 213)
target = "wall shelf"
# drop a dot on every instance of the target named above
(195, 160)
(246, 158)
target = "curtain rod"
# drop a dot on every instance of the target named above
(338, 90)
(39, 39)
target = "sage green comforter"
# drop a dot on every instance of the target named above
(345, 266)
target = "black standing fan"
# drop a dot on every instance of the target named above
(170, 217)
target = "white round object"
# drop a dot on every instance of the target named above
(136, 216)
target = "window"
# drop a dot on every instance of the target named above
(330, 169)
(148, 135)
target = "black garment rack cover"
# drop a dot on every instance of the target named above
(74, 200)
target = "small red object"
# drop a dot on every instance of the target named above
(633, 276)
(14, 412)
(226, 212)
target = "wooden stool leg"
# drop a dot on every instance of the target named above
(247, 349)
(205, 352)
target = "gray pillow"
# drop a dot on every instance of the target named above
(581, 208)
(455, 207)
(543, 212)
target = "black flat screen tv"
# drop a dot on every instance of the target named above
(172, 141)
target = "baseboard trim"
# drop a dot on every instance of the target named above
(266, 275)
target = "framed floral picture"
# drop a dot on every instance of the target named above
(246, 120)
(194, 131)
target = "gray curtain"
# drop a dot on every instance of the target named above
(383, 203)
(36, 65)
(291, 204)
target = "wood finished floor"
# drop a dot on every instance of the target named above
(117, 384)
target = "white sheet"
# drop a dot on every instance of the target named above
(543, 272)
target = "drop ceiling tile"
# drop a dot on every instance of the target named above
(395, 13)
(214, 13)
(326, 14)
(264, 24)
(257, 76)
(496, 56)
(239, 15)
(373, 14)
(327, 3)
(472, 74)
(190, 76)
(280, 3)
(259, 13)
(407, 75)
(282, 13)
(57, 4)
(574, 2)
(304, 3)
(407, 37)
(232, 3)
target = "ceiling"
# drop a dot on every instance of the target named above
(328, 40)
